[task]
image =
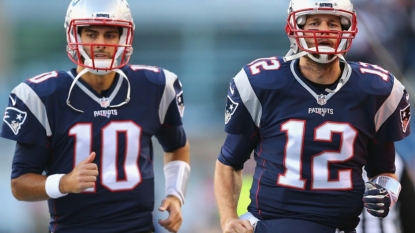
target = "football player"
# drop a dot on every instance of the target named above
(313, 120)
(83, 136)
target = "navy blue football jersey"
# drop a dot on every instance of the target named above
(311, 141)
(123, 198)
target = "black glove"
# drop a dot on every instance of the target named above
(377, 200)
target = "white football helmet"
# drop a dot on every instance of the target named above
(83, 13)
(297, 16)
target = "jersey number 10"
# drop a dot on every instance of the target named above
(108, 168)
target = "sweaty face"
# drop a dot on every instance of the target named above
(324, 28)
(104, 41)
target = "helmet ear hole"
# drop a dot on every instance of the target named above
(301, 20)
(79, 30)
(345, 22)
(120, 29)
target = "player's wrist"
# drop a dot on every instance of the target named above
(177, 174)
(391, 185)
(52, 186)
(175, 197)
(226, 221)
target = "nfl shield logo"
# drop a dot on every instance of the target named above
(105, 102)
(321, 99)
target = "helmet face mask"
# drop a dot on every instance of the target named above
(298, 12)
(92, 44)
(98, 13)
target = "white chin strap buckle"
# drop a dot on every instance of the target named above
(105, 64)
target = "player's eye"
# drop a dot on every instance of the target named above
(334, 25)
(111, 36)
(91, 35)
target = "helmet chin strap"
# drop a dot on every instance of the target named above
(322, 58)
(291, 55)
(120, 72)
(100, 63)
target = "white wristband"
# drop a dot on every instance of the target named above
(251, 218)
(52, 186)
(177, 175)
(393, 186)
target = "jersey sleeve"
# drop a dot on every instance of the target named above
(243, 109)
(237, 149)
(25, 118)
(393, 117)
(171, 138)
(29, 158)
(380, 159)
(242, 119)
(171, 108)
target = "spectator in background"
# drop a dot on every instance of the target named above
(409, 62)
(373, 45)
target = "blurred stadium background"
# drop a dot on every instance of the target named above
(206, 43)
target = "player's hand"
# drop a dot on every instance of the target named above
(173, 206)
(83, 176)
(237, 225)
(377, 200)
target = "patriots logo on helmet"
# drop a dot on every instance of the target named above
(14, 118)
(405, 118)
(180, 103)
(102, 15)
(329, 5)
(230, 109)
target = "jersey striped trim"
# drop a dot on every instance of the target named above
(169, 94)
(29, 97)
(92, 95)
(390, 104)
(248, 96)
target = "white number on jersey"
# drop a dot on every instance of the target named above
(109, 155)
(270, 63)
(320, 163)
